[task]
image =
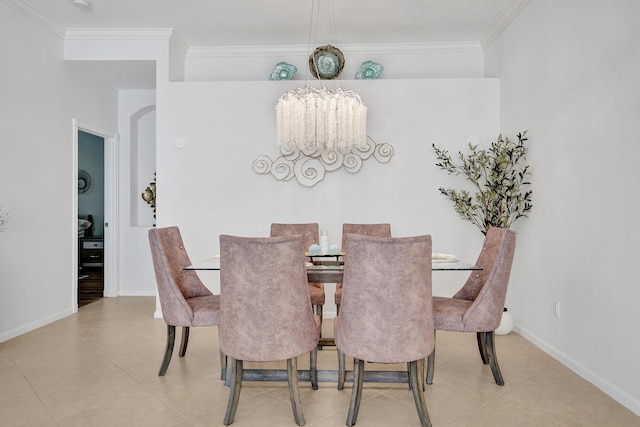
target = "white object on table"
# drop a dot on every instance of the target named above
(324, 242)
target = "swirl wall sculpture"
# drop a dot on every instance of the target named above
(310, 166)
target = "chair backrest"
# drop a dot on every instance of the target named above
(375, 230)
(488, 288)
(309, 232)
(174, 284)
(264, 299)
(387, 307)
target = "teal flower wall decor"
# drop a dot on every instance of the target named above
(283, 71)
(369, 70)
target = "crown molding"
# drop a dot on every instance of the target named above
(251, 51)
(505, 20)
(178, 44)
(353, 49)
(119, 33)
(37, 17)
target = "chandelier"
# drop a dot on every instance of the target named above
(314, 118)
(322, 118)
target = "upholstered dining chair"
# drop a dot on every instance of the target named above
(266, 312)
(184, 299)
(386, 310)
(309, 233)
(375, 230)
(478, 306)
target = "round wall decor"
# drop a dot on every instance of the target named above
(84, 181)
(326, 62)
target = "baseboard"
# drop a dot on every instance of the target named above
(23, 329)
(137, 294)
(628, 401)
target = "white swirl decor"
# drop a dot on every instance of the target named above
(309, 166)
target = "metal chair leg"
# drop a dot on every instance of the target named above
(223, 366)
(185, 341)
(415, 380)
(482, 347)
(356, 392)
(171, 338)
(342, 371)
(493, 359)
(318, 311)
(431, 362)
(313, 368)
(294, 390)
(234, 393)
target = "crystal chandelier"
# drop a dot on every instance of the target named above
(322, 118)
(314, 118)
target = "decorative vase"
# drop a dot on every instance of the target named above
(506, 324)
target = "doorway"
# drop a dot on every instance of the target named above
(96, 251)
(90, 218)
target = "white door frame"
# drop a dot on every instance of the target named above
(111, 139)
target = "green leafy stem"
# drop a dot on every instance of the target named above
(500, 178)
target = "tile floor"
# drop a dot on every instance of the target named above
(99, 368)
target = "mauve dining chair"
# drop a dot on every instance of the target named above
(185, 301)
(309, 233)
(479, 304)
(266, 312)
(375, 230)
(386, 310)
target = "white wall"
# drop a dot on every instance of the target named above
(136, 160)
(399, 62)
(209, 187)
(41, 95)
(569, 74)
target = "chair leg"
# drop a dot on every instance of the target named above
(313, 368)
(431, 361)
(171, 338)
(223, 366)
(415, 379)
(234, 393)
(482, 347)
(356, 392)
(490, 343)
(421, 371)
(223, 361)
(318, 311)
(342, 372)
(185, 341)
(294, 390)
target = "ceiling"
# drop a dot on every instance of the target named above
(231, 23)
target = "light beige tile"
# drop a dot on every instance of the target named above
(13, 384)
(24, 410)
(99, 367)
(140, 411)
(503, 412)
(69, 398)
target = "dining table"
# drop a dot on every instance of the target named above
(329, 268)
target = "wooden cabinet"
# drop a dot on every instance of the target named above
(91, 251)
(90, 269)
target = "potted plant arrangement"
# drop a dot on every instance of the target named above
(499, 177)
